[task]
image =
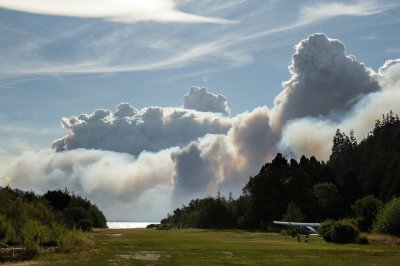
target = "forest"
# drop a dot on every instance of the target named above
(359, 181)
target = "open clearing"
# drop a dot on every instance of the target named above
(212, 247)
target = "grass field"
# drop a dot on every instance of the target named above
(208, 247)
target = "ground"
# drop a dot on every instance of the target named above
(213, 247)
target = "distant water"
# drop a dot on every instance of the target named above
(126, 225)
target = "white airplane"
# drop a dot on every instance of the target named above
(298, 229)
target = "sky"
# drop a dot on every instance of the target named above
(141, 106)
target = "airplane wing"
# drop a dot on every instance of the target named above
(312, 225)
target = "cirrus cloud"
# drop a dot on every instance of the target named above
(125, 11)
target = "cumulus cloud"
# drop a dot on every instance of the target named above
(201, 100)
(133, 131)
(324, 81)
(172, 155)
(126, 11)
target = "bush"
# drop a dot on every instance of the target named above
(32, 235)
(33, 232)
(342, 231)
(7, 231)
(326, 230)
(85, 225)
(167, 226)
(366, 210)
(362, 240)
(72, 240)
(388, 219)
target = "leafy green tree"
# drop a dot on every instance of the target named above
(366, 210)
(293, 213)
(328, 200)
(350, 190)
(267, 193)
(388, 219)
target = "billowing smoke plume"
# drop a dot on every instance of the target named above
(224, 162)
(138, 164)
(110, 179)
(201, 100)
(324, 81)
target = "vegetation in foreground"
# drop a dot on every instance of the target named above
(32, 224)
(215, 247)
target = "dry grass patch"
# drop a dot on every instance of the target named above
(383, 240)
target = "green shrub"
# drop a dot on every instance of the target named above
(326, 230)
(72, 240)
(7, 231)
(388, 219)
(167, 226)
(151, 226)
(366, 209)
(341, 231)
(362, 240)
(85, 224)
(54, 232)
(33, 231)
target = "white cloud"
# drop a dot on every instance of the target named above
(121, 48)
(323, 11)
(201, 100)
(133, 131)
(126, 11)
(390, 74)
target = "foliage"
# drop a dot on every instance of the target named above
(205, 213)
(7, 231)
(374, 162)
(328, 199)
(365, 210)
(32, 221)
(72, 240)
(388, 219)
(75, 210)
(293, 213)
(341, 231)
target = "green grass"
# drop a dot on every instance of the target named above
(208, 247)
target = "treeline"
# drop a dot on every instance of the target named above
(55, 219)
(355, 182)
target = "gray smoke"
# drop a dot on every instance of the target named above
(114, 181)
(324, 81)
(313, 136)
(224, 162)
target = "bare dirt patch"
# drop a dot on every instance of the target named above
(142, 255)
(114, 235)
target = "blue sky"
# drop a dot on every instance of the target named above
(79, 56)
